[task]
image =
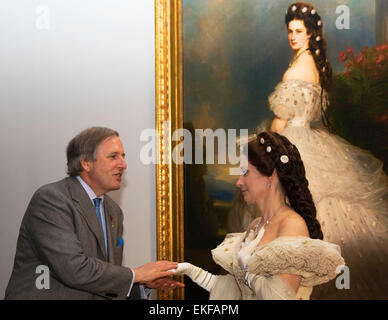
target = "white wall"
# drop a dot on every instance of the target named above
(93, 66)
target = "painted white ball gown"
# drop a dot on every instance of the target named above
(349, 189)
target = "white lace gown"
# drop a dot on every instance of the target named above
(316, 261)
(349, 189)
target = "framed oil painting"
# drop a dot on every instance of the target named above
(217, 61)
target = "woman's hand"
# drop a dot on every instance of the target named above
(204, 279)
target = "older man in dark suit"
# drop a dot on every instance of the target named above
(73, 230)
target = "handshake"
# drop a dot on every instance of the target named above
(155, 275)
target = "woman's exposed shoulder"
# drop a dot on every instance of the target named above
(292, 225)
(304, 69)
(298, 73)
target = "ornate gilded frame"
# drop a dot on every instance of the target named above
(169, 117)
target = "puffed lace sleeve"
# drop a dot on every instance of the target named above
(297, 98)
(284, 100)
(315, 260)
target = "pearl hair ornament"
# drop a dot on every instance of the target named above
(284, 159)
(304, 10)
(318, 38)
(319, 23)
(317, 52)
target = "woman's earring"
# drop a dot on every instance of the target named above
(269, 184)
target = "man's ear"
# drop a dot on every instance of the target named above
(86, 165)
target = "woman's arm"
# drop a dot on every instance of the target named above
(292, 280)
(201, 277)
(304, 70)
(277, 125)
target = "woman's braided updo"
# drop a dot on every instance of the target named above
(285, 158)
(317, 45)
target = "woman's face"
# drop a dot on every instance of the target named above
(297, 35)
(252, 183)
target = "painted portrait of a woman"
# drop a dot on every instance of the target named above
(318, 73)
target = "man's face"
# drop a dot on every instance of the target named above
(105, 173)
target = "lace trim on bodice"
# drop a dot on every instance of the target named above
(315, 260)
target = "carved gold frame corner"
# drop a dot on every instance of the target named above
(169, 115)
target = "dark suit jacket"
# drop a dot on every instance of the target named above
(60, 230)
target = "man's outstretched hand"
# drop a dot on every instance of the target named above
(154, 270)
(164, 284)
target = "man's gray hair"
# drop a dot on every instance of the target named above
(84, 147)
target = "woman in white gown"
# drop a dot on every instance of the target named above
(281, 255)
(348, 185)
